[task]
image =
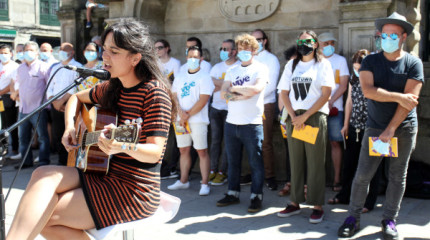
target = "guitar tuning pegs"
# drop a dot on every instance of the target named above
(127, 122)
(134, 121)
(129, 147)
(135, 147)
(123, 147)
(129, 139)
(139, 120)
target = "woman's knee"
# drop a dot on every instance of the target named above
(45, 172)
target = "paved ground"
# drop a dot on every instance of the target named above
(199, 218)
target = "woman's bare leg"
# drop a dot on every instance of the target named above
(70, 216)
(40, 199)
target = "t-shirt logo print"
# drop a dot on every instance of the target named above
(186, 89)
(301, 86)
(240, 81)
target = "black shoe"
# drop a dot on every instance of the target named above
(228, 200)
(349, 227)
(24, 166)
(246, 180)
(272, 184)
(389, 230)
(255, 205)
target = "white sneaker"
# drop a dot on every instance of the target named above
(179, 185)
(204, 190)
(16, 157)
(36, 160)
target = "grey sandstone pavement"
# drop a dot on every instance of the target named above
(199, 217)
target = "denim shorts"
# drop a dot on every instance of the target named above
(334, 125)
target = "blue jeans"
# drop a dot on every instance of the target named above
(367, 166)
(25, 130)
(251, 137)
(217, 118)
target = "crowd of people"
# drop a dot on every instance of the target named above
(236, 102)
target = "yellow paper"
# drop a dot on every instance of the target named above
(1, 106)
(308, 134)
(179, 130)
(393, 148)
(283, 131)
(264, 117)
(337, 77)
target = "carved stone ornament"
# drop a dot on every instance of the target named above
(247, 10)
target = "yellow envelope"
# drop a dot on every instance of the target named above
(308, 134)
(393, 148)
(283, 131)
(179, 130)
(337, 77)
(1, 106)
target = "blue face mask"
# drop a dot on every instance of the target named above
(90, 55)
(193, 63)
(20, 56)
(244, 56)
(5, 57)
(29, 56)
(223, 55)
(44, 55)
(357, 74)
(62, 55)
(389, 45)
(260, 47)
(186, 52)
(328, 50)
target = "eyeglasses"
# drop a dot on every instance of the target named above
(160, 47)
(393, 36)
(260, 39)
(305, 41)
(224, 49)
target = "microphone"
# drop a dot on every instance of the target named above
(98, 73)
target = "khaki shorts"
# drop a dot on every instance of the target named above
(198, 136)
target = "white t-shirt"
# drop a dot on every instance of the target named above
(62, 79)
(340, 68)
(171, 68)
(272, 63)
(188, 88)
(204, 65)
(306, 83)
(249, 111)
(218, 71)
(7, 73)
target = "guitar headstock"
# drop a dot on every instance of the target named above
(128, 133)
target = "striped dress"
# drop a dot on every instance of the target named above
(131, 189)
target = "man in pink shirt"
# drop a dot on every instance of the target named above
(32, 77)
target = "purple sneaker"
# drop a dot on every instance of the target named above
(389, 230)
(349, 227)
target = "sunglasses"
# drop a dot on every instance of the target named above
(260, 39)
(392, 36)
(159, 48)
(300, 42)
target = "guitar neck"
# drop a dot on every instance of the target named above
(91, 138)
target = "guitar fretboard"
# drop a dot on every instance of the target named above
(91, 138)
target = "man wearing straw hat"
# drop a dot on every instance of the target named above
(391, 80)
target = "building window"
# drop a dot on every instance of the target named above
(48, 12)
(4, 10)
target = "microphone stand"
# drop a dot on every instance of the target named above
(4, 138)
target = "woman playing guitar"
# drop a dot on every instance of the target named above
(60, 202)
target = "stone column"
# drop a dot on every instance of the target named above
(413, 15)
(357, 24)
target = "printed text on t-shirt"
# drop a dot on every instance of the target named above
(240, 81)
(301, 86)
(186, 89)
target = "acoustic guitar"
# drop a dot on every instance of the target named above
(89, 122)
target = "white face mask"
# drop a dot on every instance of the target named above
(5, 57)
(62, 55)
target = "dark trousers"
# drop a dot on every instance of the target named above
(8, 118)
(268, 153)
(350, 163)
(57, 134)
(171, 155)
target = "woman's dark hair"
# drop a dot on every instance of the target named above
(317, 54)
(358, 58)
(165, 44)
(267, 47)
(94, 44)
(134, 37)
(290, 52)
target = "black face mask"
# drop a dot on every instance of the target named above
(304, 50)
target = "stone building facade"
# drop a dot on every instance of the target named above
(23, 20)
(351, 21)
